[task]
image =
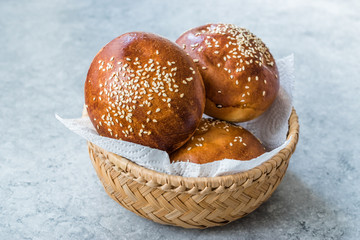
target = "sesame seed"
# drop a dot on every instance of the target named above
(181, 95)
(196, 60)
(263, 93)
(157, 110)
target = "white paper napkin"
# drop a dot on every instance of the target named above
(271, 128)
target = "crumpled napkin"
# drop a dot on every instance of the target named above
(271, 128)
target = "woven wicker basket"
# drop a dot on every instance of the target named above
(191, 202)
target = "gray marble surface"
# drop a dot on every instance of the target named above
(48, 188)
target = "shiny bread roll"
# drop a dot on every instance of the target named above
(239, 72)
(144, 89)
(216, 140)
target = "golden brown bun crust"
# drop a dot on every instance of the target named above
(239, 72)
(144, 89)
(216, 140)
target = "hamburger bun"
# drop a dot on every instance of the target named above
(216, 140)
(144, 89)
(238, 70)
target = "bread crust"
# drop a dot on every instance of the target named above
(216, 140)
(144, 89)
(238, 70)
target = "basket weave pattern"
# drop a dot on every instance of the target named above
(191, 202)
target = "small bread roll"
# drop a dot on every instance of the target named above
(144, 89)
(216, 140)
(239, 72)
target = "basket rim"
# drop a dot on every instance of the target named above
(193, 185)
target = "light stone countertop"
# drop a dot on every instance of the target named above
(48, 187)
